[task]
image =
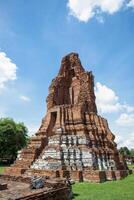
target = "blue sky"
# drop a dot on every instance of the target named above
(35, 35)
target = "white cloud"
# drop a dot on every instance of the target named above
(32, 129)
(104, 94)
(129, 142)
(128, 108)
(25, 98)
(119, 140)
(107, 101)
(2, 113)
(126, 119)
(131, 3)
(84, 10)
(100, 19)
(7, 70)
(122, 142)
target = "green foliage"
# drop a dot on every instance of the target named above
(124, 151)
(131, 152)
(112, 190)
(13, 137)
(130, 166)
(1, 169)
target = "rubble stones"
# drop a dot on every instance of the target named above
(3, 186)
(37, 182)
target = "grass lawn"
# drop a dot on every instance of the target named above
(112, 190)
(131, 166)
(1, 169)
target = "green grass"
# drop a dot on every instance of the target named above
(112, 190)
(131, 166)
(1, 169)
(2, 166)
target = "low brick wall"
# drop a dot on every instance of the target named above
(110, 175)
(85, 175)
(77, 176)
(38, 172)
(120, 174)
(14, 170)
(94, 176)
(117, 174)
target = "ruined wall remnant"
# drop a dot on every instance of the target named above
(73, 140)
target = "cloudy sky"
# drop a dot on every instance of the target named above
(35, 35)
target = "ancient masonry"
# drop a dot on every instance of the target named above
(73, 140)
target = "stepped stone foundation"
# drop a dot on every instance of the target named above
(18, 188)
(73, 140)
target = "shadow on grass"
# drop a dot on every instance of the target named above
(75, 195)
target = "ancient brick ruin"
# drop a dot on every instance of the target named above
(73, 140)
(18, 188)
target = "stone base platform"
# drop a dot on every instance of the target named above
(85, 175)
(18, 188)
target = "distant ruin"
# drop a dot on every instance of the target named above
(73, 141)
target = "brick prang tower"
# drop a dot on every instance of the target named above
(73, 140)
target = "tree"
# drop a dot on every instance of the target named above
(132, 152)
(124, 151)
(13, 137)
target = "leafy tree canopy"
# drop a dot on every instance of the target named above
(13, 137)
(126, 152)
(132, 152)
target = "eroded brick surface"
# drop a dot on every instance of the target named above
(53, 190)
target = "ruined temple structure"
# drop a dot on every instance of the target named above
(73, 140)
